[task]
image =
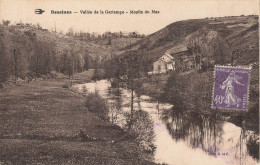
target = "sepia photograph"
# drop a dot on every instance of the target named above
(129, 82)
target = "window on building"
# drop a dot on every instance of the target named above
(159, 68)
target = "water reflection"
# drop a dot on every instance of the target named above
(199, 130)
(181, 137)
(208, 133)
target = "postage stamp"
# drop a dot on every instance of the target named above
(231, 86)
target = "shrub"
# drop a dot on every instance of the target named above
(193, 91)
(84, 89)
(66, 86)
(141, 129)
(114, 83)
(98, 105)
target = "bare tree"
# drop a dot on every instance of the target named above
(70, 32)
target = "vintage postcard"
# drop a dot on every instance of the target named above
(129, 82)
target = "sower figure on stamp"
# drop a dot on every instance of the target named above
(228, 85)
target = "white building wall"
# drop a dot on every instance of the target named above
(159, 67)
(163, 64)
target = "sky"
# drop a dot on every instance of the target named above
(169, 11)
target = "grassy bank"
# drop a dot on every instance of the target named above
(41, 123)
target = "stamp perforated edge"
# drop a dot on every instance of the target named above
(231, 109)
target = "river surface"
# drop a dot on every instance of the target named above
(182, 138)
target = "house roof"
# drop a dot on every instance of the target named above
(166, 58)
(168, 55)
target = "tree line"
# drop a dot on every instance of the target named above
(27, 56)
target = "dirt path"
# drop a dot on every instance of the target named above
(40, 123)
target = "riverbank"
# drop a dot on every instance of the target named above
(41, 123)
(193, 92)
(206, 132)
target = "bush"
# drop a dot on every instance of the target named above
(114, 83)
(141, 129)
(98, 105)
(66, 86)
(193, 91)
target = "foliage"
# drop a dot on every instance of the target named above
(173, 90)
(193, 91)
(6, 22)
(66, 86)
(141, 126)
(114, 83)
(132, 69)
(23, 54)
(210, 45)
(113, 68)
(98, 105)
(114, 112)
(253, 148)
(4, 61)
(97, 74)
(127, 70)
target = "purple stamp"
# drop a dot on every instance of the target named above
(230, 90)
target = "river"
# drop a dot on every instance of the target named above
(182, 138)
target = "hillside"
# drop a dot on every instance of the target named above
(28, 51)
(237, 35)
(63, 42)
(117, 43)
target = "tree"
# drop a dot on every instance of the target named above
(38, 26)
(86, 62)
(109, 41)
(133, 70)
(195, 46)
(70, 32)
(66, 63)
(96, 74)
(20, 64)
(111, 67)
(4, 62)
(73, 60)
(173, 90)
(42, 60)
(208, 46)
(6, 22)
(16, 63)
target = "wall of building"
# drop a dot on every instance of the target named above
(162, 67)
(159, 67)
